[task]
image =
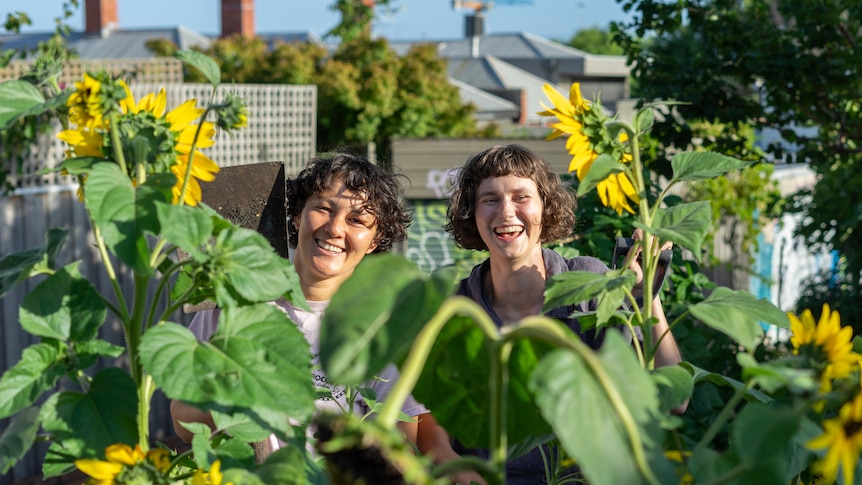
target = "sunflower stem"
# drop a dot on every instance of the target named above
(191, 159)
(114, 121)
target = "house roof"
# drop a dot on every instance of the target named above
(492, 74)
(517, 48)
(487, 105)
(131, 43)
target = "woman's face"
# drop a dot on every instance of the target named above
(335, 232)
(509, 217)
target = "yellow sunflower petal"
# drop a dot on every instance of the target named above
(183, 115)
(559, 101)
(98, 469)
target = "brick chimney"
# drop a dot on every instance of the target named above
(237, 17)
(101, 16)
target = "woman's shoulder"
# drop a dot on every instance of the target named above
(556, 263)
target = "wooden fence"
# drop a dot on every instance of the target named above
(282, 126)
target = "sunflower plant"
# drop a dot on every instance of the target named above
(791, 419)
(139, 168)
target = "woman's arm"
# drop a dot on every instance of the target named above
(187, 413)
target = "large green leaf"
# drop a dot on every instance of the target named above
(17, 267)
(125, 214)
(455, 384)
(187, 227)
(674, 384)
(249, 270)
(286, 465)
(572, 287)
(602, 167)
(700, 375)
(694, 166)
(684, 224)
(84, 424)
(203, 63)
(737, 314)
(362, 331)
(18, 438)
(16, 99)
(761, 443)
(773, 375)
(572, 397)
(38, 370)
(256, 359)
(65, 306)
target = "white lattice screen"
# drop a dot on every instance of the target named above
(281, 127)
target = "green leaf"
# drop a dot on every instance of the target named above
(77, 165)
(37, 372)
(701, 375)
(249, 268)
(776, 374)
(602, 167)
(455, 384)
(240, 425)
(738, 314)
(17, 267)
(17, 98)
(572, 397)
(674, 384)
(572, 287)
(242, 364)
(286, 465)
(693, 166)
(84, 424)
(65, 306)
(187, 227)
(685, 224)
(18, 438)
(363, 331)
(761, 435)
(202, 63)
(239, 475)
(123, 214)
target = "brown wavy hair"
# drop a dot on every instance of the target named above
(381, 188)
(558, 203)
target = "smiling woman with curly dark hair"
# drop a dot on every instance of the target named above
(380, 187)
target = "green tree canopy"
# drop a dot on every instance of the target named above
(783, 65)
(596, 41)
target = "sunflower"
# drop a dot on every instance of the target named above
(842, 437)
(84, 106)
(202, 167)
(825, 343)
(181, 123)
(577, 118)
(214, 477)
(123, 463)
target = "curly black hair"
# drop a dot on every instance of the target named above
(558, 203)
(381, 188)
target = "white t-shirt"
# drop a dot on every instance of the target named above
(204, 325)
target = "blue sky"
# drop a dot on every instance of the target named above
(416, 20)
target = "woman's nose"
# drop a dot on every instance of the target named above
(336, 226)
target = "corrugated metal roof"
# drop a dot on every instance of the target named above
(487, 105)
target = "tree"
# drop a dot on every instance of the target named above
(769, 64)
(595, 41)
(367, 93)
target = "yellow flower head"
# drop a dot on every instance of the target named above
(117, 457)
(842, 437)
(587, 138)
(214, 477)
(826, 344)
(84, 107)
(160, 458)
(202, 167)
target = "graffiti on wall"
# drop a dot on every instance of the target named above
(428, 244)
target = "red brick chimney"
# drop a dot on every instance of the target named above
(237, 17)
(101, 16)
